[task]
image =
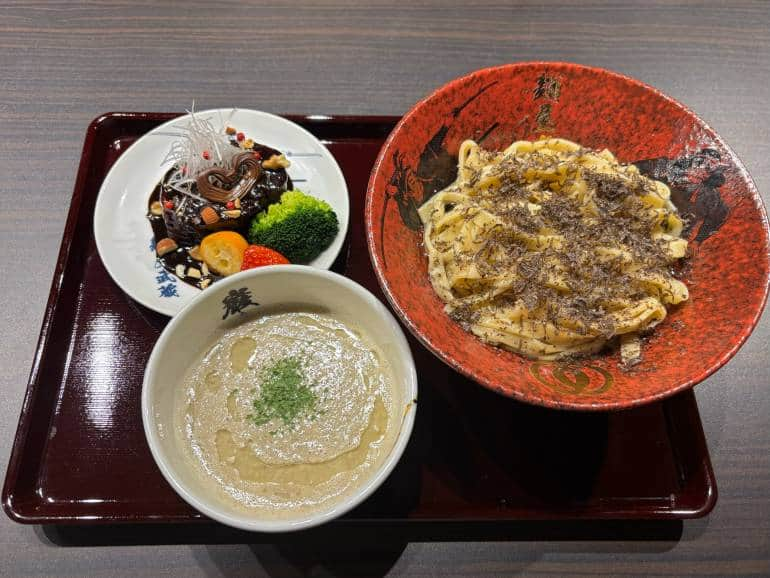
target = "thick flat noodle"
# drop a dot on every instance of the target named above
(551, 250)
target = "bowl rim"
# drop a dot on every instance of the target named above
(245, 522)
(444, 355)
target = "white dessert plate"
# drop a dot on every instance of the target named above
(124, 238)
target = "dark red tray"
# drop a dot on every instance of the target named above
(80, 455)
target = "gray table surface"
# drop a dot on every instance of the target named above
(62, 63)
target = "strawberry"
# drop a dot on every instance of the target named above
(259, 256)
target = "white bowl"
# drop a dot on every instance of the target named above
(193, 330)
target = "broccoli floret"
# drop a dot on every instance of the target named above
(299, 226)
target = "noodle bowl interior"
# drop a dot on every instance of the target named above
(553, 250)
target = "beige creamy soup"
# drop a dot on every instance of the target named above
(288, 413)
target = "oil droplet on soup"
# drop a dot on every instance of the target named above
(240, 353)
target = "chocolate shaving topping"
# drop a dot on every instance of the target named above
(219, 185)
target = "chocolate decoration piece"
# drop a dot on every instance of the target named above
(231, 184)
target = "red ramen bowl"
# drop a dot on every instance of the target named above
(727, 272)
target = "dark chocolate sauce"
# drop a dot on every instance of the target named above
(183, 223)
(181, 255)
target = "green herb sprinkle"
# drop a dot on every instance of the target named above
(284, 394)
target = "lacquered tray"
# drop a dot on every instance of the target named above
(79, 455)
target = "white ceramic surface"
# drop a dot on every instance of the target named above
(122, 231)
(190, 333)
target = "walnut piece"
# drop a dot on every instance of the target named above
(276, 162)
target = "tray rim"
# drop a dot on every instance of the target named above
(18, 511)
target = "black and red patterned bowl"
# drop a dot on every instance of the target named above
(727, 273)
